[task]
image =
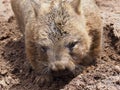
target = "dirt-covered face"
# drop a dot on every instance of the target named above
(63, 40)
(64, 45)
(65, 52)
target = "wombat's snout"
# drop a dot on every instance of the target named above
(62, 65)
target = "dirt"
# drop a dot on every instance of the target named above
(16, 73)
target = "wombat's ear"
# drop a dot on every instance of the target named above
(76, 5)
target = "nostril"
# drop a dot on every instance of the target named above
(53, 67)
(60, 66)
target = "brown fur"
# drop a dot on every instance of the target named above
(59, 34)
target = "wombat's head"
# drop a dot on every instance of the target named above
(61, 36)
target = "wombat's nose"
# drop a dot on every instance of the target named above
(57, 66)
(61, 65)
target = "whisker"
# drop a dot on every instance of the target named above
(45, 70)
(44, 64)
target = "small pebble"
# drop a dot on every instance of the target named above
(3, 72)
(117, 69)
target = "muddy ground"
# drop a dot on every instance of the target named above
(16, 74)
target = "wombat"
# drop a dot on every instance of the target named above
(59, 34)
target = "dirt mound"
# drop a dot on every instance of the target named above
(16, 73)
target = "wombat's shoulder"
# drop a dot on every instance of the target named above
(92, 14)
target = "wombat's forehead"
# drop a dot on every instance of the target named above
(58, 20)
(59, 11)
(59, 27)
(55, 1)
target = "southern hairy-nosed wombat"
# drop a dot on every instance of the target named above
(59, 34)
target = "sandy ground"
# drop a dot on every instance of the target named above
(15, 73)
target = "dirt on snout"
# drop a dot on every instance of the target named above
(16, 73)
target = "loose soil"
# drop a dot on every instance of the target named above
(16, 73)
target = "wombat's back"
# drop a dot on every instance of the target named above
(23, 11)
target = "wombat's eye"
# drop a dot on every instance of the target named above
(71, 45)
(44, 48)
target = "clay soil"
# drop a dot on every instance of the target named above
(16, 73)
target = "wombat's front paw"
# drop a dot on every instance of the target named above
(44, 80)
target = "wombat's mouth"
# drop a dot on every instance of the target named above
(62, 73)
(68, 73)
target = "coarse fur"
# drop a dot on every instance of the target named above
(59, 34)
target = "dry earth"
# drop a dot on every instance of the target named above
(16, 74)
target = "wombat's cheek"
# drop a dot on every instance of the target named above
(78, 56)
(77, 59)
(79, 52)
